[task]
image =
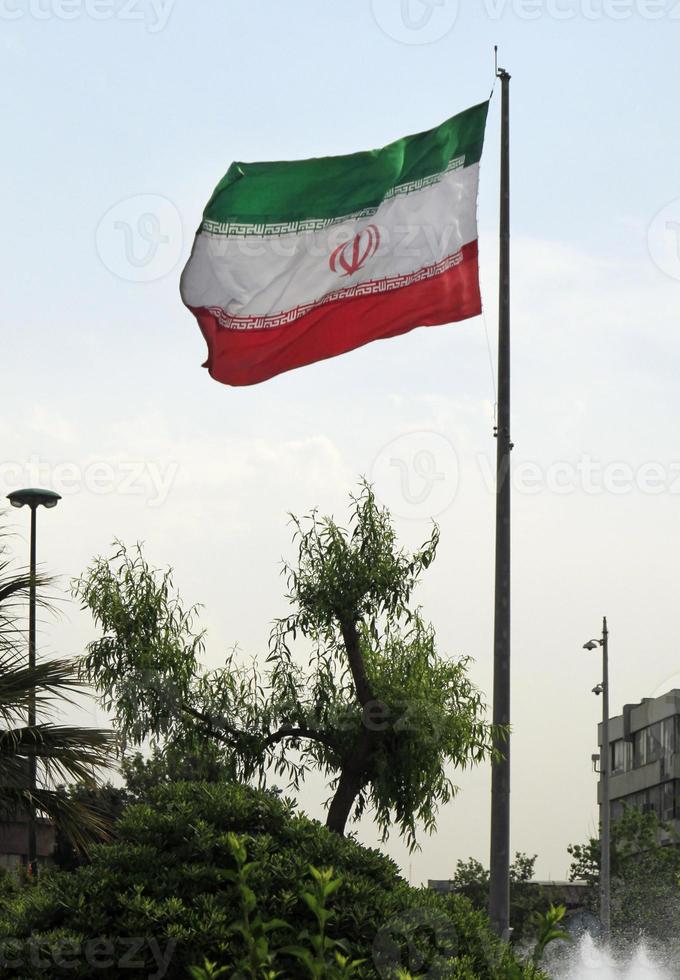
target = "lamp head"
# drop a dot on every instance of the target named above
(33, 497)
(598, 689)
(591, 645)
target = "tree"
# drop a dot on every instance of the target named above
(645, 864)
(471, 879)
(377, 710)
(64, 752)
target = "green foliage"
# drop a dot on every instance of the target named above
(549, 930)
(645, 864)
(379, 711)
(315, 954)
(177, 875)
(319, 955)
(257, 959)
(209, 971)
(144, 662)
(346, 576)
(142, 777)
(428, 716)
(144, 774)
(585, 865)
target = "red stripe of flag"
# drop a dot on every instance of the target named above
(246, 357)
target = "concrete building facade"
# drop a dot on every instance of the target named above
(14, 840)
(644, 758)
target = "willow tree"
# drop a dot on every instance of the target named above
(353, 684)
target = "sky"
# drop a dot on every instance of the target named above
(120, 116)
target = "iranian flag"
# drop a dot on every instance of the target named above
(300, 260)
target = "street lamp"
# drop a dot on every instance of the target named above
(32, 498)
(605, 766)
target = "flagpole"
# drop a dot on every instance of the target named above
(499, 888)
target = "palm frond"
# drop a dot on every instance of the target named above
(15, 587)
(81, 822)
(48, 681)
(64, 753)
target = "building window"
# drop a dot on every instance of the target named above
(622, 756)
(636, 801)
(668, 742)
(668, 791)
(653, 743)
(653, 737)
(654, 800)
(10, 861)
(616, 809)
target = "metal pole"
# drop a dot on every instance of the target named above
(32, 848)
(499, 889)
(605, 765)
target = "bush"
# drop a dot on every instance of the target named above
(162, 897)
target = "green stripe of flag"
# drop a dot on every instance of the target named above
(331, 187)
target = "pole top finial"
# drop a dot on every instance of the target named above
(500, 72)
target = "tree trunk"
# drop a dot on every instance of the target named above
(354, 774)
(349, 786)
(350, 637)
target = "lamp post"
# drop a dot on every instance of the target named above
(32, 498)
(605, 766)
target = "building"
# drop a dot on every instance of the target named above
(14, 824)
(644, 757)
(14, 839)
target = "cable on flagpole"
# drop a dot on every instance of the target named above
(496, 75)
(491, 368)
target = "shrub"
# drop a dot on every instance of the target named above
(163, 897)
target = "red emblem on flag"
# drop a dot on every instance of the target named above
(353, 254)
